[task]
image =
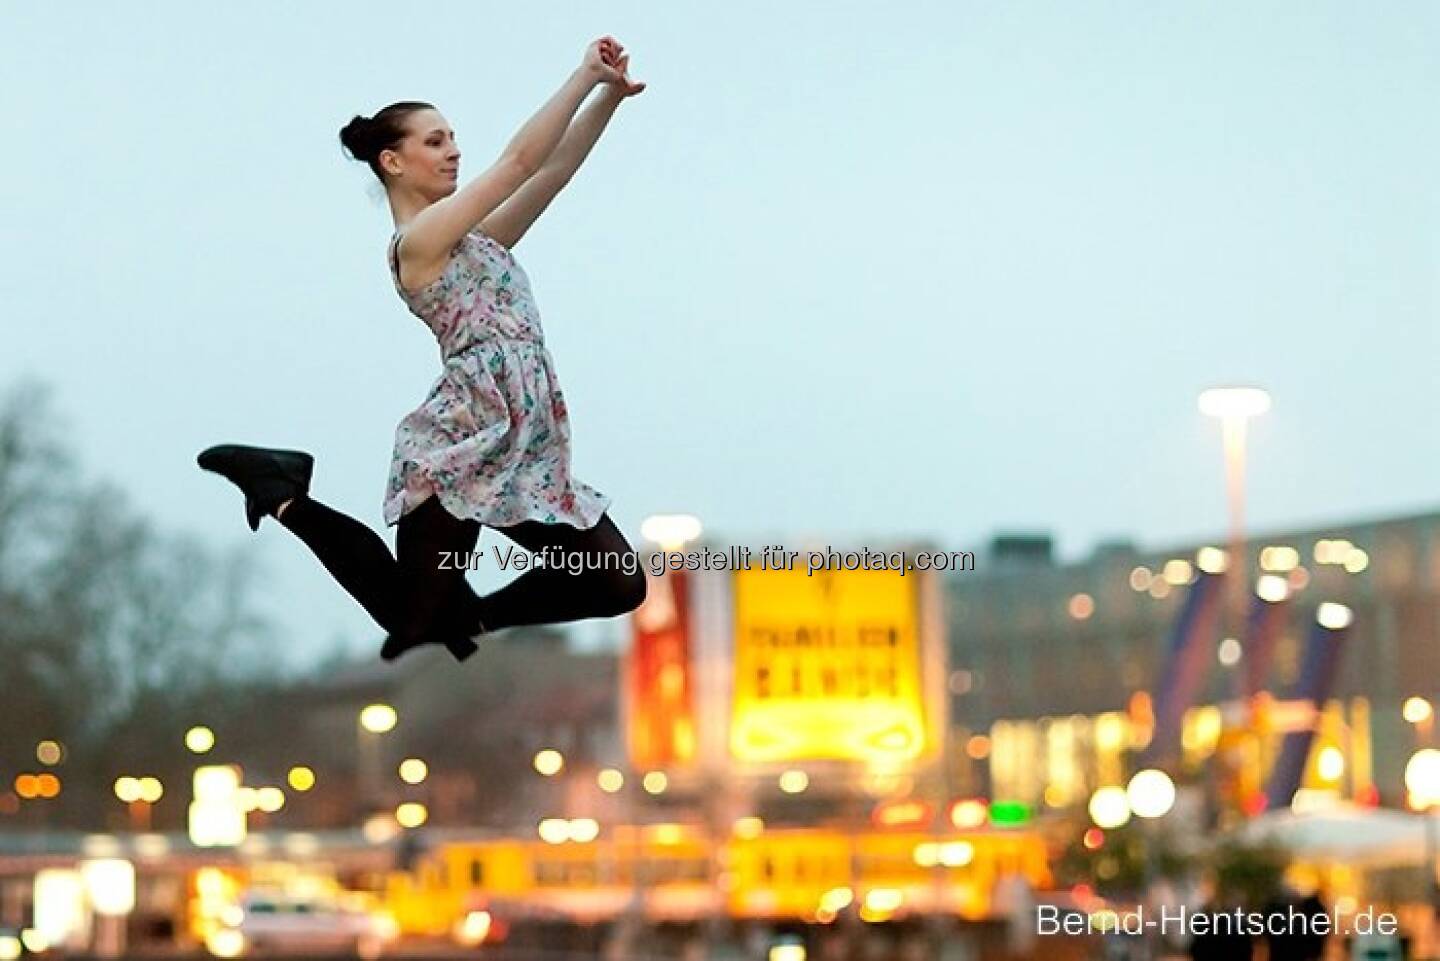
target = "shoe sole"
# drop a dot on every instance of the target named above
(213, 457)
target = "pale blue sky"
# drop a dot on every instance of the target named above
(844, 272)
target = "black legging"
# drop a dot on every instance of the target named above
(419, 598)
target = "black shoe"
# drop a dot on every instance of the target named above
(459, 647)
(268, 478)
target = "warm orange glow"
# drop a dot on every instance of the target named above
(827, 666)
(1081, 606)
(897, 814)
(969, 813)
(978, 747)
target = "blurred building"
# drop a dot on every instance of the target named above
(1053, 665)
(476, 727)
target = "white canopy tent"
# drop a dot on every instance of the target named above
(1359, 836)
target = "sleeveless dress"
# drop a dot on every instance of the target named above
(492, 438)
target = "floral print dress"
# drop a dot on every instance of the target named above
(492, 438)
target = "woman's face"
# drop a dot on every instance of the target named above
(428, 159)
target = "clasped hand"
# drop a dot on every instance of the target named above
(607, 59)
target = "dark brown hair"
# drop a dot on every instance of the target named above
(365, 137)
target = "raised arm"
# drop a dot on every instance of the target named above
(516, 215)
(434, 231)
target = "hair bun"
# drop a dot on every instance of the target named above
(358, 138)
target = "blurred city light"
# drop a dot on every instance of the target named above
(1081, 606)
(902, 813)
(1140, 578)
(927, 854)
(789, 951)
(269, 799)
(1229, 652)
(49, 753)
(411, 814)
(1279, 559)
(225, 943)
(584, 830)
(969, 813)
(554, 830)
(380, 829)
(151, 790)
(748, 828)
(127, 789)
(1009, 813)
(1272, 588)
(199, 739)
(1109, 807)
(1234, 401)
(1330, 764)
(1422, 779)
(1356, 561)
(1417, 710)
(109, 885)
(655, 782)
(413, 770)
(379, 718)
(1211, 560)
(794, 782)
(216, 817)
(610, 780)
(1151, 793)
(670, 531)
(152, 846)
(549, 762)
(1334, 617)
(474, 929)
(300, 778)
(1178, 572)
(58, 904)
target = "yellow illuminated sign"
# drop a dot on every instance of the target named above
(827, 666)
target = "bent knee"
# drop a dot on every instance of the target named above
(632, 594)
(625, 592)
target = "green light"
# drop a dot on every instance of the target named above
(1009, 813)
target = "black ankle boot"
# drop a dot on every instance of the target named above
(268, 478)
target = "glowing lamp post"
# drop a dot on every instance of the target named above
(670, 532)
(374, 720)
(1234, 406)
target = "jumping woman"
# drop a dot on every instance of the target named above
(490, 444)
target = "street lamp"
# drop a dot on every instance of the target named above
(670, 531)
(374, 720)
(199, 739)
(1421, 713)
(1235, 406)
(379, 718)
